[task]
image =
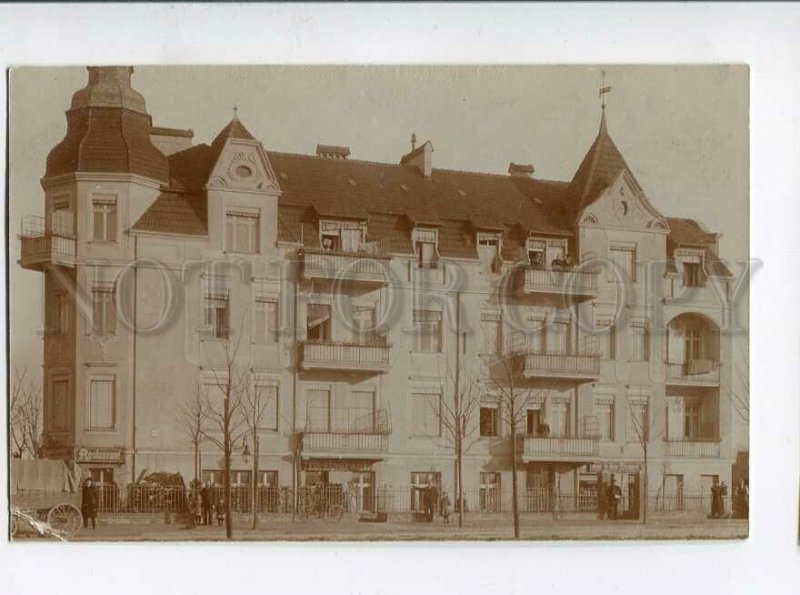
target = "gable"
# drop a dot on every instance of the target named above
(243, 166)
(623, 205)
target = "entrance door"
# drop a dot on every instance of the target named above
(106, 489)
(362, 492)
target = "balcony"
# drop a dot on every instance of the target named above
(558, 365)
(560, 448)
(40, 248)
(694, 373)
(344, 356)
(573, 283)
(367, 266)
(698, 448)
(346, 432)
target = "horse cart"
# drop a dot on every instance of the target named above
(46, 496)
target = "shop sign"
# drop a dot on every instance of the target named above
(613, 467)
(98, 454)
(337, 465)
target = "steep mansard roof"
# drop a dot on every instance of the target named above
(690, 233)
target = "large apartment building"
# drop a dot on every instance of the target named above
(358, 295)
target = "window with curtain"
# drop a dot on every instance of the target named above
(428, 325)
(241, 232)
(425, 246)
(604, 411)
(625, 261)
(318, 323)
(489, 252)
(491, 332)
(268, 395)
(318, 412)
(364, 325)
(558, 418)
(640, 343)
(606, 337)
(217, 315)
(489, 420)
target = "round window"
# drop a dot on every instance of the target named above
(243, 171)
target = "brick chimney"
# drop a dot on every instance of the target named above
(522, 170)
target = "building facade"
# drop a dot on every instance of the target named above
(359, 299)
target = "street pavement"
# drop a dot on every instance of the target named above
(486, 528)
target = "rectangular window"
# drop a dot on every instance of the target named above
(693, 274)
(241, 232)
(425, 247)
(624, 260)
(491, 331)
(58, 313)
(428, 324)
(640, 343)
(217, 315)
(533, 421)
(101, 403)
(558, 416)
(691, 421)
(692, 345)
(341, 236)
(426, 413)
(638, 420)
(604, 411)
(558, 337)
(318, 323)
(354, 412)
(536, 257)
(265, 320)
(490, 421)
(490, 491)
(59, 404)
(267, 392)
(104, 318)
(364, 325)
(489, 252)
(319, 409)
(606, 337)
(104, 218)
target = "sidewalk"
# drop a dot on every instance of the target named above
(474, 529)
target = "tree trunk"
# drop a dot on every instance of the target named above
(459, 496)
(254, 482)
(643, 494)
(514, 504)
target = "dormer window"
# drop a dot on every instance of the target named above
(341, 236)
(547, 253)
(426, 247)
(536, 256)
(489, 252)
(691, 267)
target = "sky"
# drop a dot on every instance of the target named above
(683, 130)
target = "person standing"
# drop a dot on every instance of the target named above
(89, 503)
(715, 500)
(206, 499)
(434, 495)
(723, 493)
(614, 495)
(446, 508)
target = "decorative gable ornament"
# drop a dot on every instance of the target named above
(243, 166)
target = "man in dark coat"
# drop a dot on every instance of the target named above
(613, 496)
(206, 499)
(89, 504)
(715, 500)
(434, 501)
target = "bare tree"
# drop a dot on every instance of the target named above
(456, 413)
(228, 426)
(255, 400)
(25, 416)
(192, 417)
(514, 396)
(643, 422)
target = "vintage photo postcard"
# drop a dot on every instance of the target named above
(378, 303)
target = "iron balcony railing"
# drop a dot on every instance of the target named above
(566, 282)
(694, 372)
(345, 356)
(346, 429)
(560, 365)
(697, 448)
(40, 246)
(367, 265)
(560, 447)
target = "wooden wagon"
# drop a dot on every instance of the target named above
(45, 494)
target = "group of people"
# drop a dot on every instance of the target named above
(431, 501)
(740, 501)
(609, 498)
(719, 491)
(205, 506)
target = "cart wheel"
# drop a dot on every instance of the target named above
(65, 519)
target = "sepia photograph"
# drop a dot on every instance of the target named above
(379, 303)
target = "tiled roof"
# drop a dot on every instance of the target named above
(176, 212)
(688, 232)
(599, 168)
